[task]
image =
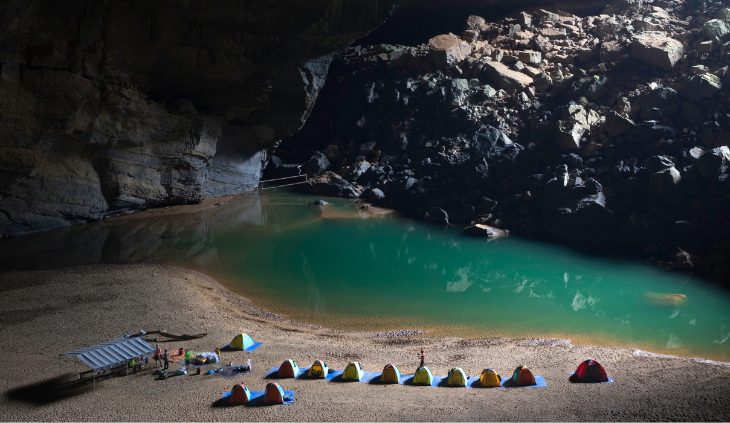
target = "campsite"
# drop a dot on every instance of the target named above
(639, 378)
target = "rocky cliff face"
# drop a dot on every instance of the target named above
(108, 106)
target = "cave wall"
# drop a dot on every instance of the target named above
(110, 106)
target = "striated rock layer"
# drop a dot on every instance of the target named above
(109, 106)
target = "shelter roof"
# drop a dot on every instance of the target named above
(112, 353)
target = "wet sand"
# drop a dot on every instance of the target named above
(45, 313)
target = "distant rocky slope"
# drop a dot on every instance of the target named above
(108, 106)
(609, 129)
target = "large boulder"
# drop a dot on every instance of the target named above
(448, 49)
(717, 30)
(504, 77)
(617, 124)
(714, 162)
(702, 87)
(318, 164)
(487, 140)
(665, 182)
(657, 49)
(333, 185)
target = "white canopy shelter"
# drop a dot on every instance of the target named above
(112, 353)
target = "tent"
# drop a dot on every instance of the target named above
(274, 394)
(590, 371)
(240, 394)
(423, 376)
(289, 368)
(489, 379)
(241, 342)
(523, 376)
(457, 377)
(318, 370)
(353, 371)
(391, 374)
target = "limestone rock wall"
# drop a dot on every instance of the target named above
(109, 106)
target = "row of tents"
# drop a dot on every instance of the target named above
(588, 371)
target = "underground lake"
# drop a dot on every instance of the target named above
(348, 268)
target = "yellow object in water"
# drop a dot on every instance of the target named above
(664, 299)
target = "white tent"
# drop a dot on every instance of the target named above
(112, 353)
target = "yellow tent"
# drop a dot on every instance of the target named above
(489, 379)
(241, 342)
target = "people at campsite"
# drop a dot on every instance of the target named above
(423, 360)
(167, 360)
(158, 352)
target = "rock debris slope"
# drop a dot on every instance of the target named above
(609, 129)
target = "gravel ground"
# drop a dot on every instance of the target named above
(45, 313)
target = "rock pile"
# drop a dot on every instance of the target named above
(609, 129)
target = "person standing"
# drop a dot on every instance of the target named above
(423, 359)
(167, 360)
(158, 353)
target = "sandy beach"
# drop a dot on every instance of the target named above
(45, 313)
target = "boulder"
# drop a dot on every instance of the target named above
(617, 124)
(485, 231)
(487, 140)
(353, 172)
(702, 87)
(318, 164)
(333, 185)
(657, 163)
(568, 134)
(718, 30)
(376, 196)
(657, 49)
(543, 81)
(613, 51)
(714, 162)
(448, 49)
(529, 56)
(659, 103)
(436, 215)
(505, 78)
(665, 182)
(607, 29)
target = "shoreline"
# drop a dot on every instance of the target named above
(75, 307)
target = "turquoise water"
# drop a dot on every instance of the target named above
(339, 267)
